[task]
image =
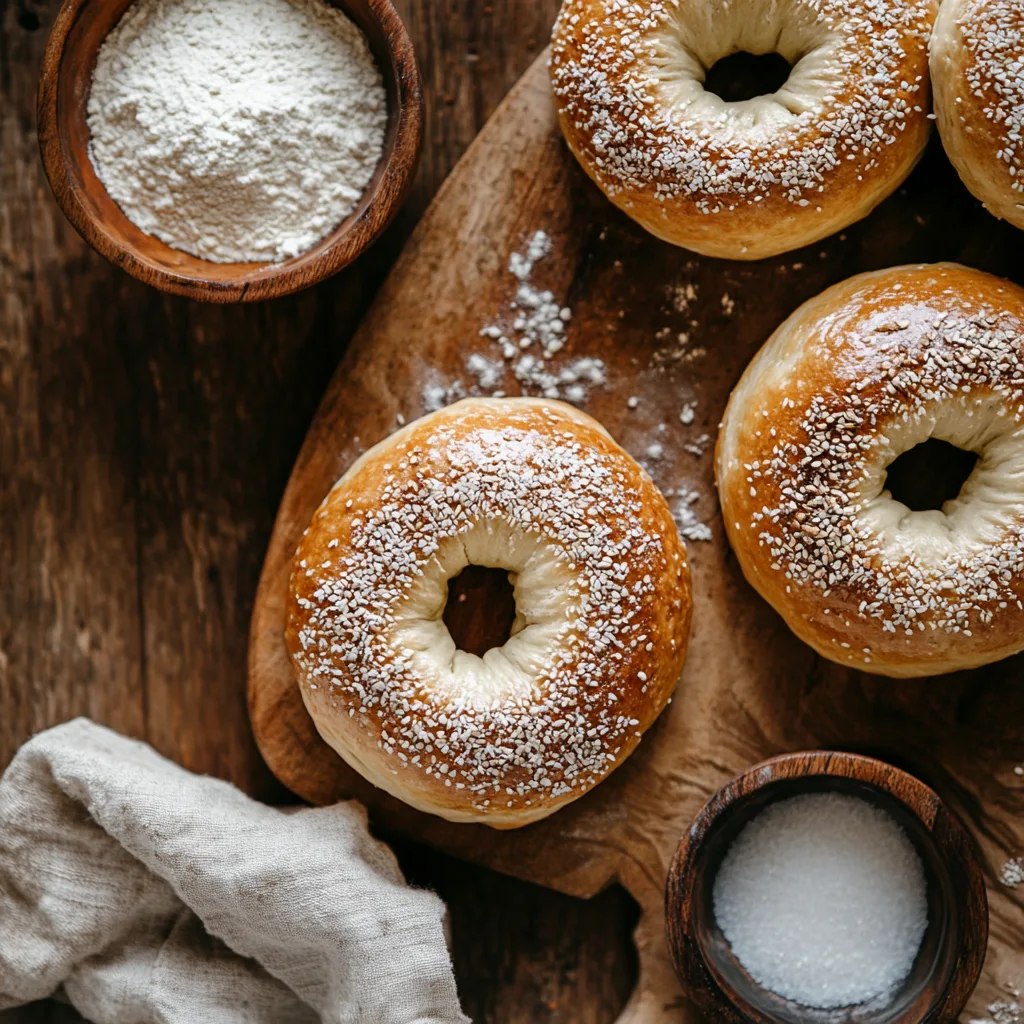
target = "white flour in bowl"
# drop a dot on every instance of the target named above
(236, 130)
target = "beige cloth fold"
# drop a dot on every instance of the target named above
(148, 895)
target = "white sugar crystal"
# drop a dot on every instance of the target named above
(690, 526)
(822, 898)
(488, 373)
(1012, 873)
(1002, 1013)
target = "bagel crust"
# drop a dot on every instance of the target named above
(977, 66)
(603, 610)
(754, 178)
(870, 368)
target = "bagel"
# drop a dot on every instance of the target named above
(977, 66)
(602, 597)
(855, 377)
(754, 178)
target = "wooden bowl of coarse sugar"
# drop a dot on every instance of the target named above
(942, 969)
(66, 79)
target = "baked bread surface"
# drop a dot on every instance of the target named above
(977, 68)
(870, 368)
(603, 610)
(754, 178)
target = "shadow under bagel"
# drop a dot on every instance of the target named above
(65, 82)
(949, 960)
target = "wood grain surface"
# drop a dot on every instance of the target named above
(672, 329)
(144, 445)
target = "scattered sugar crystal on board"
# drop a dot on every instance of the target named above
(689, 523)
(822, 898)
(698, 447)
(537, 317)
(1002, 1013)
(682, 295)
(531, 341)
(437, 396)
(488, 372)
(1012, 873)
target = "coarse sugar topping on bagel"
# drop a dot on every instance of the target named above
(629, 75)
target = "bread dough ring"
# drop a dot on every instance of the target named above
(977, 65)
(858, 375)
(755, 178)
(602, 596)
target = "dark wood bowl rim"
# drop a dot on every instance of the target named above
(389, 189)
(918, 798)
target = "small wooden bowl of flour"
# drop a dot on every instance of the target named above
(253, 203)
(824, 887)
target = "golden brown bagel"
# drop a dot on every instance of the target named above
(867, 370)
(602, 610)
(977, 66)
(759, 177)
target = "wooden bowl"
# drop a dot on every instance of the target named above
(952, 950)
(68, 65)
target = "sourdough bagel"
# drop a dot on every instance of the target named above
(977, 66)
(602, 610)
(867, 370)
(754, 178)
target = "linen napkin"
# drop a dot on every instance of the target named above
(148, 895)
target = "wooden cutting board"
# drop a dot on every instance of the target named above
(672, 329)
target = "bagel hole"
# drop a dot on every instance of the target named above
(928, 475)
(480, 610)
(743, 76)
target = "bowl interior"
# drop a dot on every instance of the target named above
(936, 958)
(95, 19)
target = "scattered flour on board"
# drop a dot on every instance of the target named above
(529, 341)
(699, 447)
(570, 382)
(437, 396)
(690, 525)
(537, 318)
(488, 373)
(1012, 873)
(682, 296)
(1002, 1013)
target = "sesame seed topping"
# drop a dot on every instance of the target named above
(539, 481)
(817, 502)
(992, 32)
(628, 75)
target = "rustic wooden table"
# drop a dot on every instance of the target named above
(144, 444)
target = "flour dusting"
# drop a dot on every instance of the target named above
(236, 130)
(1002, 1013)
(1012, 873)
(689, 523)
